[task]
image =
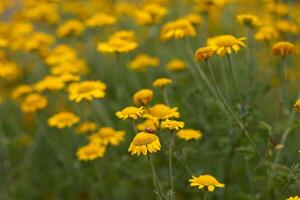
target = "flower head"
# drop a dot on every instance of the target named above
(86, 127)
(142, 62)
(161, 111)
(71, 27)
(176, 65)
(90, 152)
(142, 97)
(225, 44)
(204, 53)
(49, 83)
(130, 113)
(162, 82)
(297, 105)
(294, 198)
(107, 135)
(283, 48)
(86, 90)
(285, 26)
(248, 20)
(144, 143)
(21, 90)
(100, 19)
(177, 29)
(189, 134)
(205, 181)
(149, 14)
(172, 125)
(266, 33)
(33, 102)
(63, 119)
(148, 123)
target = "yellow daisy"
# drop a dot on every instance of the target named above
(205, 181)
(162, 82)
(204, 53)
(107, 135)
(144, 143)
(63, 119)
(142, 97)
(161, 111)
(33, 102)
(294, 198)
(86, 127)
(282, 48)
(176, 65)
(90, 152)
(172, 125)
(177, 29)
(297, 105)
(130, 113)
(225, 44)
(189, 134)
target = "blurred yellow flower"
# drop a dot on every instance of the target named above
(49, 83)
(297, 105)
(294, 198)
(205, 181)
(33, 102)
(67, 77)
(148, 123)
(176, 65)
(204, 53)
(21, 90)
(162, 82)
(90, 152)
(189, 134)
(172, 125)
(161, 111)
(117, 45)
(142, 61)
(100, 19)
(266, 33)
(285, 26)
(177, 29)
(225, 44)
(61, 53)
(248, 20)
(70, 27)
(86, 90)
(282, 48)
(86, 127)
(130, 113)
(106, 136)
(63, 119)
(38, 41)
(75, 66)
(142, 97)
(9, 70)
(144, 143)
(150, 14)
(193, 18)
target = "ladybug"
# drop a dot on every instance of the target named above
(149, 130)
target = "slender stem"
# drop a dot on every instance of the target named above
(154, 177)
(283, 73)
(205, 195)
(133, 126)
(170, 164)
(165, 95)
(235, 82)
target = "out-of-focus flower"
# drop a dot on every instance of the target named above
(150, 14)
(61, 53)
(204, 53)
(9, 71)
(172, 125)
(70, 27)
(189, 134)
(225, 44)
(161, 111)
(294, 198)
(285, 26)
(162, 82)
(86, 90)
(297, 105)
(280, 9)
(86, 127)
(193, 18)
(144, 143)
(75, 66)
(130, 113)
(63, 119)
(248, 20)
(142, 61)
(90, 152)
(205, 181)
(21, 90)
(283, 48)
(33, 102)
(148, 123)
(177, 29)
(100, 19)
(176, 65)
(49, 83)
(67, 77)
(106, 136)
(38, 41)
(142, 97)
(266, 33)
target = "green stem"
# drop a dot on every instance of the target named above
(165, 95)
(170, 164)
(155, 180)
(235, 82)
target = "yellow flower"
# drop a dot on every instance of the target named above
(162, 82)
(75, 66)
(148, 123)
(189, 134)
(21, 90)
(70, 27)
(33, 102)
(142, 62)
(204, 53)
(150, 14)
(49, 83)
(37, 41)
(142, 97)
(225, 44)
(177, 29)
(123, 35)
(130, 112)
(107, 135)
(61, 53)
(67, 77)
(117, 45)
(285, 26)
(100, 19)
(63, 119)
(283, 48)
(90, 152)
(86, 90)
(266, 33)
(297, 105)
(172, 125)
(161, 111)
(294, 198)
(193, 18)
(86, 127)
(248, 20)
(144, 143)
(205, 181)
(9, 71)
(176, 65)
